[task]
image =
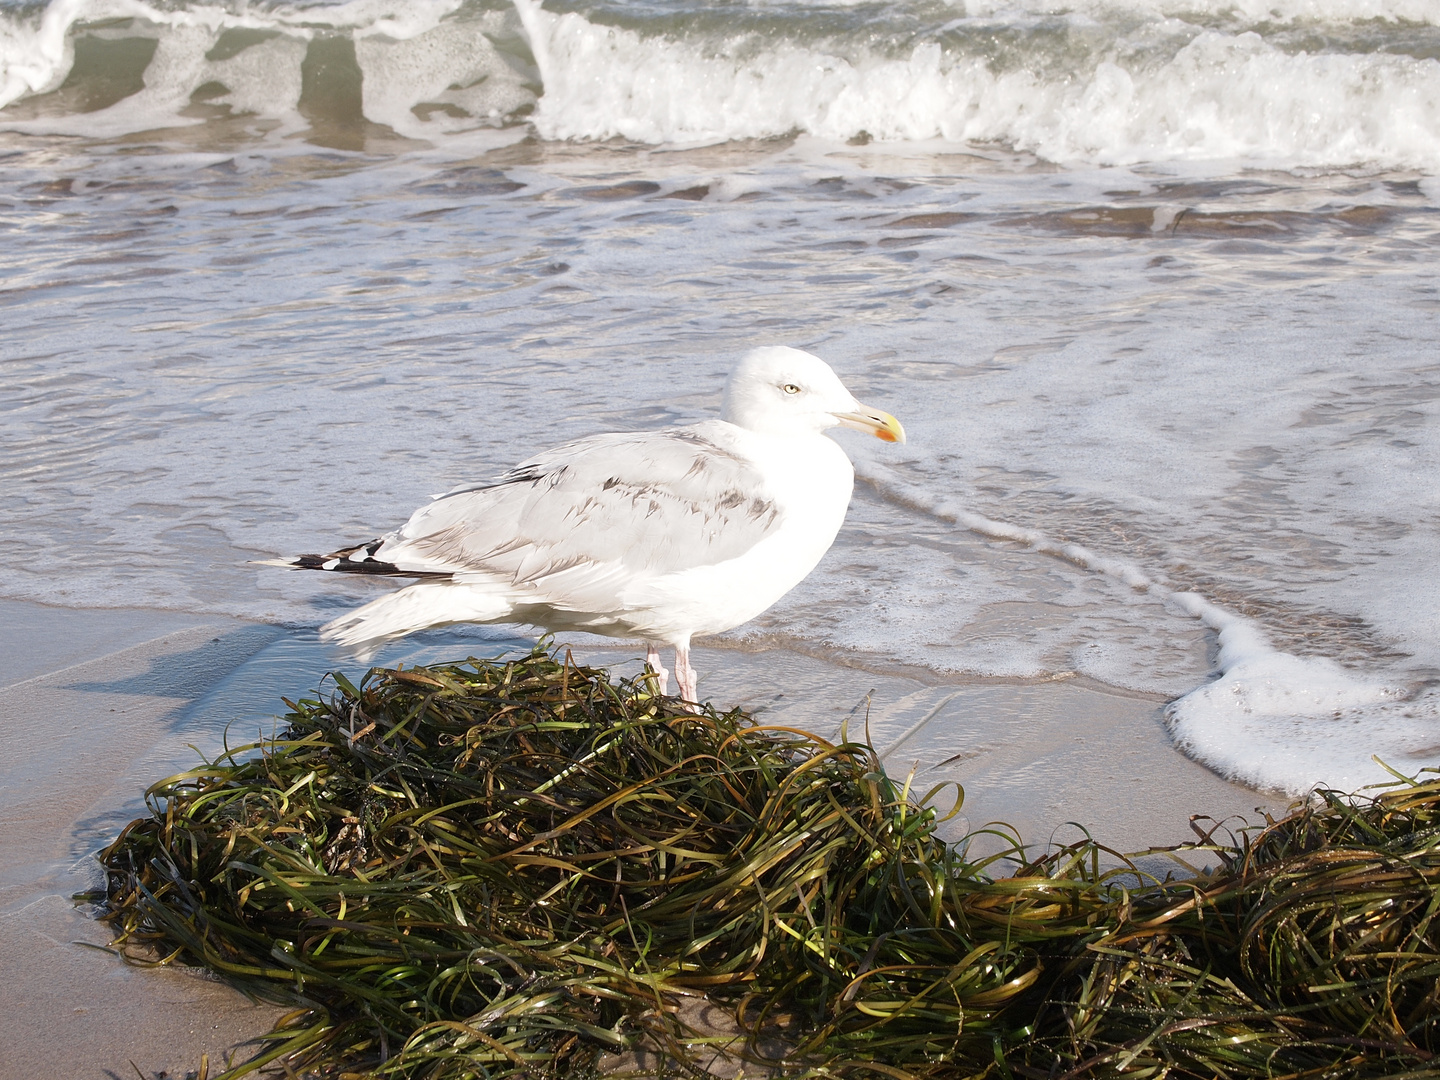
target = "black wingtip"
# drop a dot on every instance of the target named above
(342, 563)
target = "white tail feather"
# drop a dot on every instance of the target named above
(418, 607)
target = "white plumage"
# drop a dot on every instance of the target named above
(660, 535)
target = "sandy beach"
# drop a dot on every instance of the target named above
(122, 696)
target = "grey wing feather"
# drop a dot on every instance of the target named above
(595, 509)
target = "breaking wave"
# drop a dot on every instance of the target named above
(1288, 83)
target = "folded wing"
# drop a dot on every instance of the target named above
(574, 524)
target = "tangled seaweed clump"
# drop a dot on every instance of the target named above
(497, 869)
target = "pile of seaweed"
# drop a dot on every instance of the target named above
(497, 869)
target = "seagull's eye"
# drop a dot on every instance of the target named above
(790, 388)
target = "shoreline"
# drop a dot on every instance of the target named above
(121, 698)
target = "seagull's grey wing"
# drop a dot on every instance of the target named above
(596, 510)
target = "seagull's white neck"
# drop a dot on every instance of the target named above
(803, 469)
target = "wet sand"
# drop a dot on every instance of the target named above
(95, 705)
(91, 705)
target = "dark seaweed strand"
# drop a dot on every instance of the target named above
(1312, 951)
(495, 869)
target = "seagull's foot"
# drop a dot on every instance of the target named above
(662, 677)
(687, 677)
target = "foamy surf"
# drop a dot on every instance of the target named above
(1108, 81)
(1267, 718)
(1283, 722)
(1218, 96)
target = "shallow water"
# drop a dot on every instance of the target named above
(1172, 401)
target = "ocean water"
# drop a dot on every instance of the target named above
(1151, 283)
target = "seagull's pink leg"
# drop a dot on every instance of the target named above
(652, 660)
(686, 675)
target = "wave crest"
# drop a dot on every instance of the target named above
(1146, 85)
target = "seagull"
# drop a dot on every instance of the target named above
(661, 536)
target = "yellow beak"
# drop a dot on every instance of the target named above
(875, 421)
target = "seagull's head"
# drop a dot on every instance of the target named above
(781, 391)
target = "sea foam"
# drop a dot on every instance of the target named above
(1220, 96)
(1268, 718)
(1112, 82)
(1284, 722)
(1241, 12)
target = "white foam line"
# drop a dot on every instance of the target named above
(1269, 719)
(1120, 569)
(1239, 637)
